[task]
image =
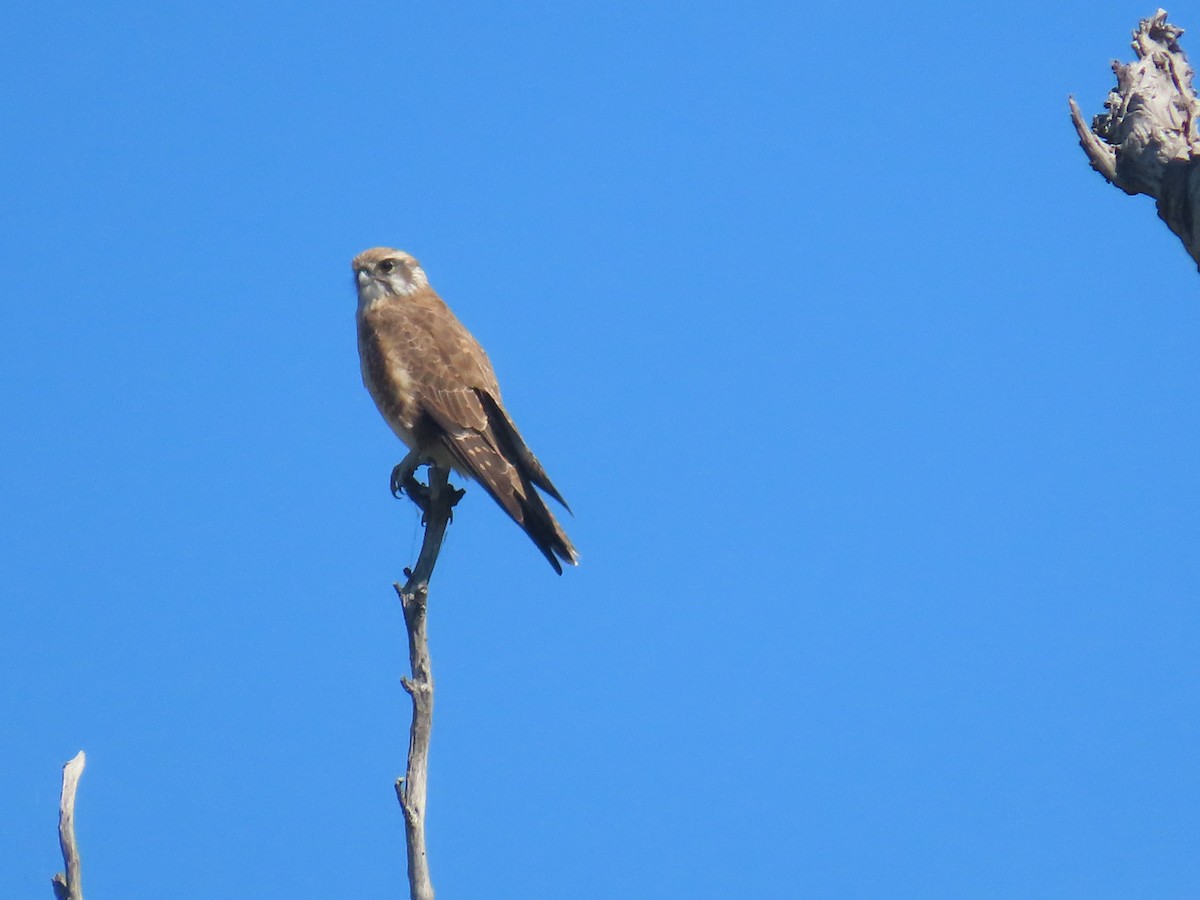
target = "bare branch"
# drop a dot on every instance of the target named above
(70, 885)
(437, 503)
(1147, 142)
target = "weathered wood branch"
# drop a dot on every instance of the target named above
(1148, 141)
(437, 503)
(69, 885)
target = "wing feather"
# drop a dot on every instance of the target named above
(458, 404)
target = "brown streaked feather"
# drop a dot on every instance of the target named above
(515, 448)
(478, 457)
(435, 386)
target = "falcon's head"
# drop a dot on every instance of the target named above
(384, 272)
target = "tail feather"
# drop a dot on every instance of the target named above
(514, 447)
(499, 460)
(543, 529)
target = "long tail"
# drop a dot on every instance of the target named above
(543, 529)
(500, 461)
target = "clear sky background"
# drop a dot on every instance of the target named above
(879, 413)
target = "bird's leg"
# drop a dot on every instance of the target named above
(404, 481)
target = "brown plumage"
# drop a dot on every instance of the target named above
(435, 387)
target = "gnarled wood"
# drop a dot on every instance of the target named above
(1148, 141)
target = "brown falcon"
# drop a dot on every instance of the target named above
(435, 387)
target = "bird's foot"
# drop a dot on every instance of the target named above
(454, 495)
(404, 481)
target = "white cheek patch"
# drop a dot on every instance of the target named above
(406, 284)
(403, 281)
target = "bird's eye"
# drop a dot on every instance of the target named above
(387, 266)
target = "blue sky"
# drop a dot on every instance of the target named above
(877, 410)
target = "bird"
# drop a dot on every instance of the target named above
(435, 387)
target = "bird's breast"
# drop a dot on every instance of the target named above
(387, 378)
